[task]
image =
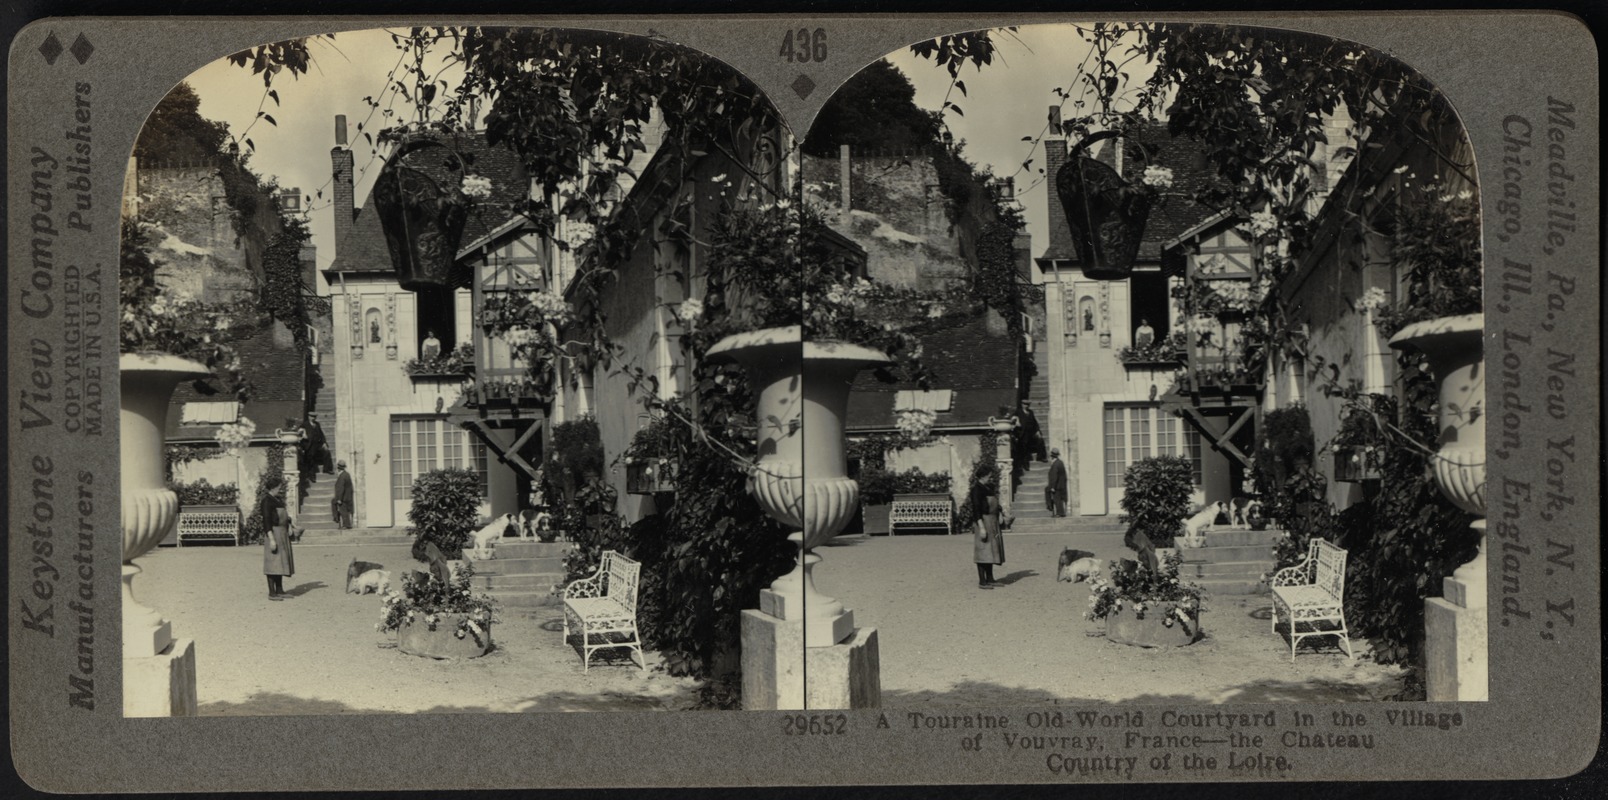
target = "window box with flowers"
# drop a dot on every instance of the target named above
(1168, 353)
(453, 366)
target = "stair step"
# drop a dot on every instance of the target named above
(1227, 569)
(510, 549)
(1231, 537)
(1231, 586)
(516, 566)
(534, 580)
(526, 598)
(1219, 555)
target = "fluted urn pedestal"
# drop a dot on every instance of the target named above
(158, 670)
(1456, 624)
(801, 480)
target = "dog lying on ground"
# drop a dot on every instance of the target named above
(1075, 566)
(356, 570)
(486, 538)
(376, 581)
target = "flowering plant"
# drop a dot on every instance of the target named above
(1145, 591)
(916, 423)
(426, 599)
(460, 361)
(1437, 236)
(236, 436)
(155, 319)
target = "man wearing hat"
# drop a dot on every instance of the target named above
(1055, 491)
(318, 446)
(341, 505)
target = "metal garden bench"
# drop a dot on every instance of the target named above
(603, 607)
(1312, 593)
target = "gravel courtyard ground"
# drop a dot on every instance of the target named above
(944, 641)
(317, 652)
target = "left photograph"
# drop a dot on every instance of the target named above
(428, 394)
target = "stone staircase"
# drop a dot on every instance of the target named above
(315, 511)
(523, 574)
(1232, 561)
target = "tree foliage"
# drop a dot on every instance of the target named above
(876, 109)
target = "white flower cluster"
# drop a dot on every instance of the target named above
(551, 306)
(916, 423)
(1263, 223)
(689, 311)
(476, 187)
(1158, 177)
(236, 435)
(519, 337)
(1373, 300)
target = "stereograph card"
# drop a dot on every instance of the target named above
(569, 402)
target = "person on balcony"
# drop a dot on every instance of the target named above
(1145, 336)
(430, 348)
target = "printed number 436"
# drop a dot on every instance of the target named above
(804, 45)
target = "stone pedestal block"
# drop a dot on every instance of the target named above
(773, 662)
(781, 673)
(847, 675)
(1456, 663)
(162, 685)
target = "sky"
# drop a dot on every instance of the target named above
(1006, 101)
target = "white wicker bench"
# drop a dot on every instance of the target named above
(603, 606)
(920, 511)
(209, 524)
(1312, 593)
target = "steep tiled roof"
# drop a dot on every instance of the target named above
(364, 249)
(1170, 216)
(275, 368)
(979, 365)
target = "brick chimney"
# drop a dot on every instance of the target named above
(345, 204)
(1060, 244)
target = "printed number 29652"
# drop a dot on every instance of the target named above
(815, 725)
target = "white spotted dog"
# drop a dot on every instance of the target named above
(486, 538)
(1197, 523)
(1076, 566)
(375, 581)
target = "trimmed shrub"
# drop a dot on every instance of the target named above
(1156, 497)
(445, 510)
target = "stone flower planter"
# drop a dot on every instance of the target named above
(416, 638)
(1125, 627)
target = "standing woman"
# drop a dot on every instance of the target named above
(277, 558)
(988, 548)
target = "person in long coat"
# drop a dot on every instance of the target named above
(988, 547)
(343, 502)
(278, 559)
(1055, 493)
(1032, 433)
(318, 445)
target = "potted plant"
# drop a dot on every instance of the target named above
(436, 619)
(1359, 446)
(648, 468)
(1105, 211)
(1147, 608)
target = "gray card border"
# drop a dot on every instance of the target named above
(1543, 721)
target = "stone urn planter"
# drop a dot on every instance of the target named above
(422, 211)
(1106, 213)
(1125, 627)
(1456, 624)
(149, 507)
(802, 386)
(416, 638)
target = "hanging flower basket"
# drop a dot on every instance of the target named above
(1356, 464)
(422, 209)
(1105, 212)
(648, 476)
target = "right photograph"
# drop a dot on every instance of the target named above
(1147, 368)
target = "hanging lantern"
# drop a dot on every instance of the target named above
(1105, 212)
(422, 210)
